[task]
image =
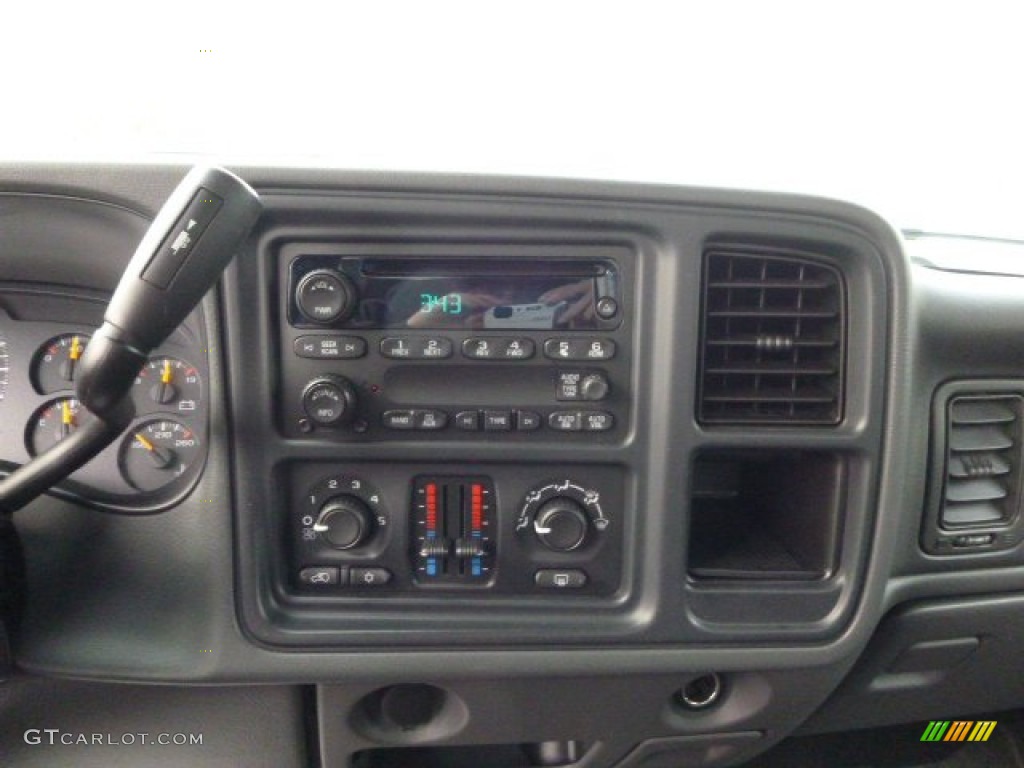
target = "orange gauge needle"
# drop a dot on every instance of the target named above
(161, 457)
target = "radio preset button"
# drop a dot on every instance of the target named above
(566, 421)
(398, 348)
(416, 348)
(497, 421)
(434, 348)
(482, 349)
(527, 421)
(517, 349)
(328, 347)
(586, 348)
(499, 348)
(468, 420)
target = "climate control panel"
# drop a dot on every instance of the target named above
(495, 530)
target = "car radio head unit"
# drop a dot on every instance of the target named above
(432, 294)
(440, 344)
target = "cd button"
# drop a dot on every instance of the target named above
(566, 421)
(497, 421)
(430, 420)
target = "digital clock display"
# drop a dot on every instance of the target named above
(445, 304)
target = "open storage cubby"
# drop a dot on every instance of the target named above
(765, 515)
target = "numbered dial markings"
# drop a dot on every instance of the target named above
(328, 519)
(168, 384)
(56, 363)
(156, 453)
(563, 515)
(52, 423)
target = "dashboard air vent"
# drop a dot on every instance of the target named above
(983, 458)
(773, 333)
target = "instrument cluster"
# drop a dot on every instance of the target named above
(158, 458)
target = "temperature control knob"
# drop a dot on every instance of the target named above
(561, 524)
(330, 401)
(325, 296)
(344, 521)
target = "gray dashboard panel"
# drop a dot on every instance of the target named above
(140, 599)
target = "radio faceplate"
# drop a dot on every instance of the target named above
(521, 344)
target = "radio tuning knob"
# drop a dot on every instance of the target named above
(329, 401)
(325, 296)
(561, 524)
(344, 521)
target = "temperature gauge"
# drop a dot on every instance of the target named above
(156, 453)
(52, 423)
(56, 363)
(165, 383)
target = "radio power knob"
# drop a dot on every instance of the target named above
(325, 296)
(344, 521)
(561, 524)
(329, 401)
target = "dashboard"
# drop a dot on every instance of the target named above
(616, 475)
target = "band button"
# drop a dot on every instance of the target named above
(399, 419)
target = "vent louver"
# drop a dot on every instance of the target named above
(983, 457)
(772, 344)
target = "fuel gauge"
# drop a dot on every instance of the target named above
(156, 453)
(166, 383)
(56, 363)
(52, 423)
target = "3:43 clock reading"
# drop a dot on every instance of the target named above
(445, 304)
